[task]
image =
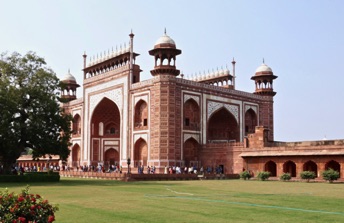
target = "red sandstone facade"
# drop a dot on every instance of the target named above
(172, 120)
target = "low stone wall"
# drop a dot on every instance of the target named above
(95, 175)
(146, 177)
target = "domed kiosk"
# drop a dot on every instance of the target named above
(68, 87)
(263, 79)
(165, 52)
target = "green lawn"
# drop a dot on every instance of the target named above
(85, 200)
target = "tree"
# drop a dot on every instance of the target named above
(30, 112)
(285, 176)
(330, 175)
(246, 175)
(307, 175)
(263, 175)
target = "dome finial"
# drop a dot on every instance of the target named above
(263, 61)
(69, 70)
(165, 31)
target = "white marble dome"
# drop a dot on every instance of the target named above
(165, 39)
(68, 78)
(263, 68)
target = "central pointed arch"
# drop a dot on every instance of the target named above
(105, 123)
(222, 125)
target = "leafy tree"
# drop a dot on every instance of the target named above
(285, 176)
(330, 175)
(30, 112)
(307, 175)
(263, 175)
(246, 175)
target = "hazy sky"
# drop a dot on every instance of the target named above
(302, 41)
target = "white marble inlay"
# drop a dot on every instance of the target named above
(187, 97)
(215, 106)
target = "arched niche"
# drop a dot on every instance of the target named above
(223, 126)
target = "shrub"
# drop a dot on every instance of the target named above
(285, 176)
(330, 175)
(25, 207)
(263, 175)
(245, 175)
(307, 175)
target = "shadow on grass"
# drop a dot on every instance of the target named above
(70, 182)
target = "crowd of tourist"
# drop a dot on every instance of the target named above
(118, 169)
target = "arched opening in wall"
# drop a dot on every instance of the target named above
(76, 156)
(107, 113)
(190, 152)
(271, 167)
(111, 157)
(290, 167)
(310, 166)
(250, 121)
(141, 115)
(76, 125)
(222, 126)
(333, 165)
(191, 115)
(140, 153)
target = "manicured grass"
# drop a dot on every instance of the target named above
(85, 200)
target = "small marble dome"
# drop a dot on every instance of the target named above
(263, 68)
(69, 78)
(165, 41)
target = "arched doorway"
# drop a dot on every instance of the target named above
(333, 165)
(76, 156)
(250, 121)
(222, 126)
(190, 152)
(141, 115)
(111, 157)
(290, 167)
(311, 166)
(140, 153)
(76, 125)
(191, 115)
(271, 167)
(105, 123)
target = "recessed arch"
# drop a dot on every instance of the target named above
(190, 152)
(333, 165)
(141, 115)
(140, 152)
(250, 121)
(271, 167)
(310, 166)
(111, 157)
(191, 112)
(290, 167)
(222, 125)
(76, 155)
(76, 124)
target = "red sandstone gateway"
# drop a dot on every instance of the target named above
(183, 120)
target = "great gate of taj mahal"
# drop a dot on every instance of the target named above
(175, 120)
